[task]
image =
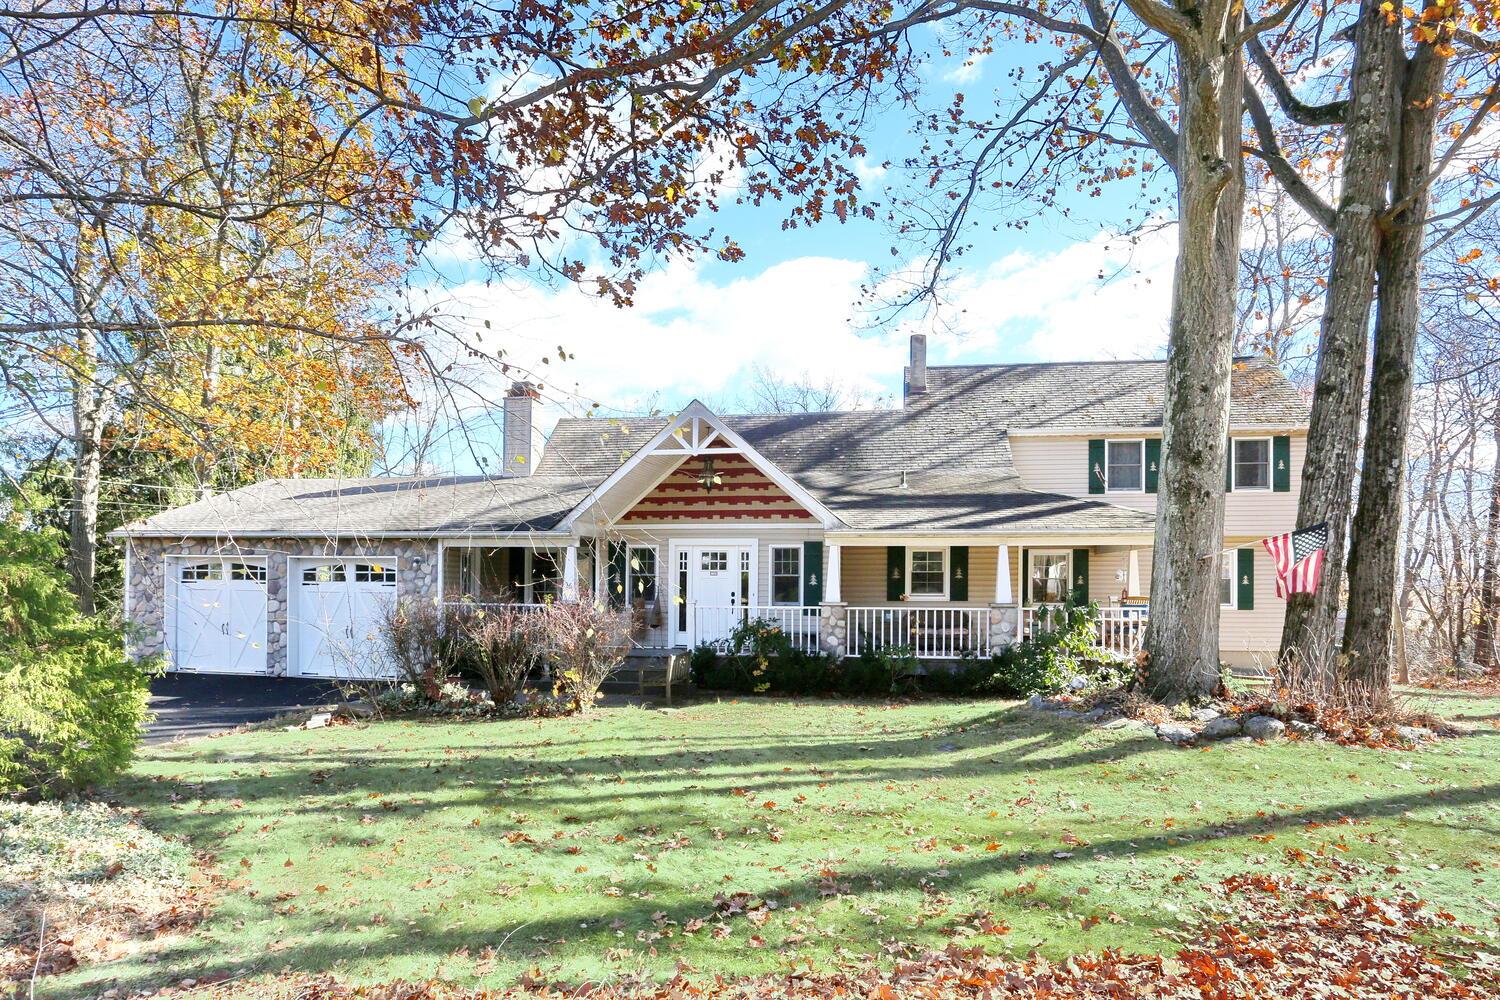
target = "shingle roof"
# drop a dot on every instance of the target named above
(951, 443)
(415, 505)
(1106, 394)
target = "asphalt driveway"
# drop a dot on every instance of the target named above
(188, 705)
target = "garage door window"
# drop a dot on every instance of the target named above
(193, 572)
(375, 573)
(323, 574)
(247, 571)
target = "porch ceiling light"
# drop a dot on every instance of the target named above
(708, 478)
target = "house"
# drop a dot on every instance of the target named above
(949, 525)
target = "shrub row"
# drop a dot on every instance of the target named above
(761, 659)
(501, 646)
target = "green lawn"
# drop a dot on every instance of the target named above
(592, 848)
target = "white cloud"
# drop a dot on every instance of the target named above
(1108, 297)
(689, 336)
(968, 70)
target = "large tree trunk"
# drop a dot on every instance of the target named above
(1308, 632)
(1487, 628)
(1183, 641)
(1375, 548)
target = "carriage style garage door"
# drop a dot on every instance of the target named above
(218, 615)
(336, 618)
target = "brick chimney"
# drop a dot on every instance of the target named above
(523, 446)
(916, 373)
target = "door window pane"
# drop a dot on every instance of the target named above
(715, 561)
(927, 576)
(247, 571)
(1126, 462)
(1252, 464)
(786, 575)
(1049, 577)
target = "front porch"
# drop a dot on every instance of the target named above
(940, 602)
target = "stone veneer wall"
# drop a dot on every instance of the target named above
(416, 577)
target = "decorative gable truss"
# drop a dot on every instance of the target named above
(719, 486)
(698, 469)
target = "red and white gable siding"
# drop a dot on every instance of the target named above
(741, 492)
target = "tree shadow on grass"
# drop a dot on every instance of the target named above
(315, 946)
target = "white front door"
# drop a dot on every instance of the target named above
(219, 615)
(340, 606)
(720, 587)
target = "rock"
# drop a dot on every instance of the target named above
(1468, 669)
(1306, 730)
(1097, 715)
(1038, 702)
(1235, 741)
(1068, 713)
(319, 720)
(1175, 732)
(1078, 683)
(1263, 727)
(1413, 734)
(1123, 723)
(947, 747)
(1220, 728)
(1205, 714)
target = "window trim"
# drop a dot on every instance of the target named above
(771, 593)
(1234, 464)
(911, 559)
(1229, 559)
(1031, 555)
(1136, 489)
(630, 572)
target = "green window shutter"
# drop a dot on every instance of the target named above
(812, 574)
(1153, 463)
(1080, 576)
(1281, 464)
(958, 573)
(1024, 598)
(617, 574)
(515, 571)
(1229, 466)
(895, 572)
(1244, 581)
(1096, 465)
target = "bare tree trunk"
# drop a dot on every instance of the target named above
(1488, 625)
(1183, 641)
(1375, 547)
(88, 470)
(1338, 398)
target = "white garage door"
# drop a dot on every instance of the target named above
(340, 605)
(219, 615)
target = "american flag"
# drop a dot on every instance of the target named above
(1298, 558)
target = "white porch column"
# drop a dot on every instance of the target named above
(833, 578)
(570, 573)
(1133, 573)
(1002, 576)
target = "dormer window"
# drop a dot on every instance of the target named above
(1125, 466)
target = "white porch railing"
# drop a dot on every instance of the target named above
(936, 633)
(464, 605)
(1121, 630)
(713, 625)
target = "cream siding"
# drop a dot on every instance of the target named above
(1061, 465)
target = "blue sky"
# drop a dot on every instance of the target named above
(1062, 288)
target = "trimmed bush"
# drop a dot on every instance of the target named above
(1049, 660)
(71, 702)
